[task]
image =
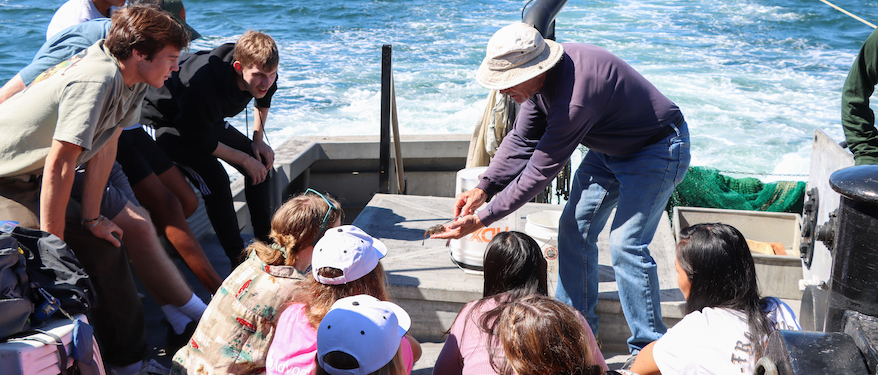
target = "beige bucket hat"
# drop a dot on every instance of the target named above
(516, 53)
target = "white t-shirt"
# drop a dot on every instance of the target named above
(74, 12)
(713, 341)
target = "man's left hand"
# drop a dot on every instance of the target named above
(263, 153)
(461, 227)
(108, 230)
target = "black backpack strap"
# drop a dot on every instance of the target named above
(59, 345)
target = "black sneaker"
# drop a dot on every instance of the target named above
(174, 341)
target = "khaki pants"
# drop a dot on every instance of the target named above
(20, 201)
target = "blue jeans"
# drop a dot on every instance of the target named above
(638, 186)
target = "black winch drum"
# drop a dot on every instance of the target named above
(854, 281)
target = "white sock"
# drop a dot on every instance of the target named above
(128, 370)
(194, 308)
(177, 318)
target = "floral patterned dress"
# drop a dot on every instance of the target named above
(236, 330)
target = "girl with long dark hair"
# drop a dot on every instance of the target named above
(727, 323)
(514, 268)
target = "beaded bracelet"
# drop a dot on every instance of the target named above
(94, 222)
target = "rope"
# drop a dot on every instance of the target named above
(848, 13)
(401, 181)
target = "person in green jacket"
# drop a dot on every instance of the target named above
(857, 118)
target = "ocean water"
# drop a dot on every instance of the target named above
(754, 78)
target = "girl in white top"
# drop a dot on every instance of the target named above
(727, 323)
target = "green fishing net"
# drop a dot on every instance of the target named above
(706, 187)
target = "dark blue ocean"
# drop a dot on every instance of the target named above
(754, 78)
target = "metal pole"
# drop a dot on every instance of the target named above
(384, 156)
(541, 15)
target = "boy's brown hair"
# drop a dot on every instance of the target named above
(145, 28)
(256, 48)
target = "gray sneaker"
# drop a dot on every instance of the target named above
(629, 362)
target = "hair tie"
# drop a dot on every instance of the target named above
(283, 251)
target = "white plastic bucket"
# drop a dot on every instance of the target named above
(469, 252)
(467, 179)
(543, 227)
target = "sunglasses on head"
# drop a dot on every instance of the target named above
(325, 218)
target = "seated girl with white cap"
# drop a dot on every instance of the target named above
(345, 262)
(362, 335)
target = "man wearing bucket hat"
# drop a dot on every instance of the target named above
(361, 335)
(638, 142)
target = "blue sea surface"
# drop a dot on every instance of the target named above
(754, 78)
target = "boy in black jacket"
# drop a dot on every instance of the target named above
(189, 114)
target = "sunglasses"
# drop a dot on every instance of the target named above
(325, 218)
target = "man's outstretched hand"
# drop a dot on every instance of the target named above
(461, 227)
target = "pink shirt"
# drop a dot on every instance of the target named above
(294, 348)
(465, 350)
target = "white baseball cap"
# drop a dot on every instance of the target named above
(349, 249)
(365, 328)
